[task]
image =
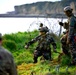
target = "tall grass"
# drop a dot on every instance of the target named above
(15, 42)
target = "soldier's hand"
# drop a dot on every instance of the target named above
(60, 23)
(26, 46)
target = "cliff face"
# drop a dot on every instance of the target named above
(45, 7)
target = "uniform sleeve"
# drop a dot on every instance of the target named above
(71, 28)
(33, 40)
(53, 43)
(13, 68)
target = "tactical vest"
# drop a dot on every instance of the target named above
(44, 42)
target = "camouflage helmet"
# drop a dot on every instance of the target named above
(44, 29)
(67, 8)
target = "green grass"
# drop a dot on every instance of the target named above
(24, 57)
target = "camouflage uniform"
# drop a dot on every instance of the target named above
(43, 47)
(65, 46)
(7, 65)
(71, 37)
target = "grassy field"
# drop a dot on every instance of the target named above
(24, 57)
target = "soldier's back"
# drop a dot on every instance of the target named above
(5, 61)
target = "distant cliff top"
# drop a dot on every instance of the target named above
(43, 8)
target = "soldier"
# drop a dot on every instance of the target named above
(71, 38)
(7, 65)
(43, 48)
(65, 46)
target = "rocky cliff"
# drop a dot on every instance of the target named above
(45, 7)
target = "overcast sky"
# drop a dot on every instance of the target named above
(8, 5)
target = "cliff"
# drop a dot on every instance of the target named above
(45, 7)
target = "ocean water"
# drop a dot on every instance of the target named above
(14, 25)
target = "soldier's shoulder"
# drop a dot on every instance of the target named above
(5, 51)
(49, 35)
(5, 55)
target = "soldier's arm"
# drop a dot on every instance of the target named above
(53, 43)
(33, 41)
(71, 28)
(13, 68)
(65, 25)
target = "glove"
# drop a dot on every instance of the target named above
(60, 23)
(26, 46)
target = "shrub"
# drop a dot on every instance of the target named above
(22, 57)
(9, 44)
(65, 60)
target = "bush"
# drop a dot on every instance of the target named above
(24, 57)
(9, 44)
(65, 60)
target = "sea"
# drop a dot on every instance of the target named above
(15, 25)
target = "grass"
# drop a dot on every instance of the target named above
(24, 57)
(43, 68)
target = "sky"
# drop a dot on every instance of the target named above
(8, 5)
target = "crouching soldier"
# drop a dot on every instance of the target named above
(44, 40)
(65, 46)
